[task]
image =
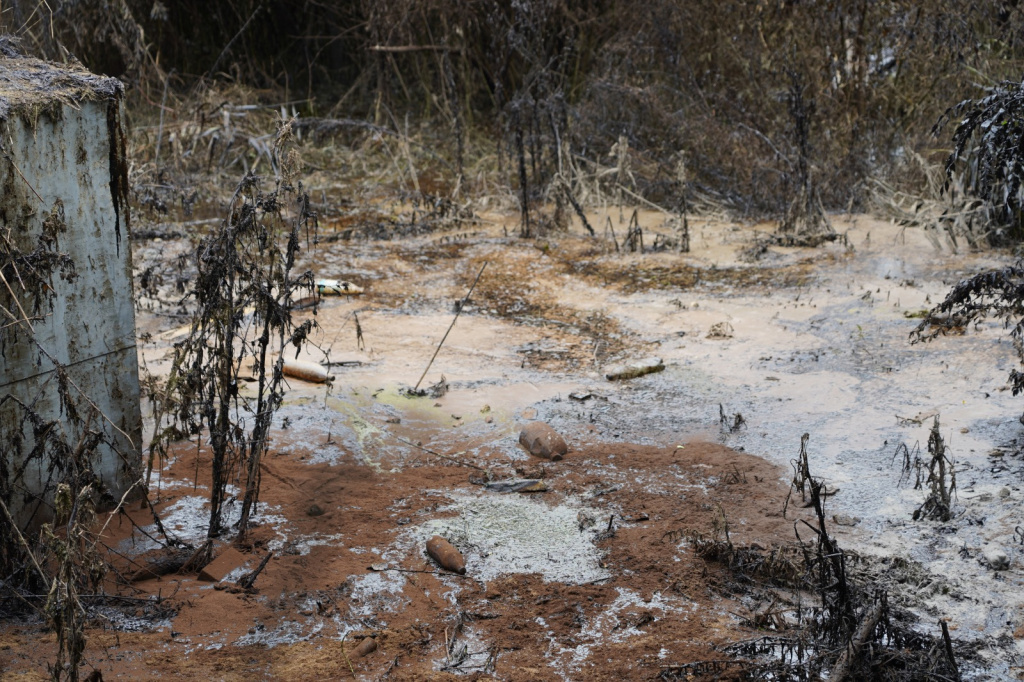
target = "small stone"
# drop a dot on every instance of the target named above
(365, 647)
(1004, 493)
(315, 510)
(997, 558)
(529, 413)
(489, 420)
(633, 370)
(393, 420)
(543, 441)
(485, 409)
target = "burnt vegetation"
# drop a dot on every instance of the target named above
(815, 610)
(770, 109)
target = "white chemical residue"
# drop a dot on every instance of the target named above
(189, 517)
(288, 632)
(502, 534)
(377, 593)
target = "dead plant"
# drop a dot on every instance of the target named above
(243, 296)
(805, 222)
(941, 480)
(996, 293)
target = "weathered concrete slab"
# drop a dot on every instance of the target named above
(63, 175)
(632, 370)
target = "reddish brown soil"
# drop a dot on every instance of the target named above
(517, 621)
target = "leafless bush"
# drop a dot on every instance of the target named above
(993, 293)
(563, 83)
(851, 633)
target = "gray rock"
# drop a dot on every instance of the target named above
(997, 558)
(543, 441)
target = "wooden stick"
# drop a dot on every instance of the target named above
(414, 48)
(949, 650)
(849, 656)
(458, 312)
(249, 579)
(438, 454)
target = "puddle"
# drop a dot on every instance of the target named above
(830, 358)
(834, 361)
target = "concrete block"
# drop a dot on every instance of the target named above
(65, 194)
(228, 560)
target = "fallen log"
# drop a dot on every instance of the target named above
(848, 658)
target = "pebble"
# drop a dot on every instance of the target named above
(365, 647)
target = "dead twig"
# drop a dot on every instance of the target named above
(247, 580)
(848, 658)
(438, 454)
(462, 306)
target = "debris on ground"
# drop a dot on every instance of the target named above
(720, 330)
(446, 555)
(335, 287)
(306, 371)
(518, 486)
(229, 560)
(632, 370)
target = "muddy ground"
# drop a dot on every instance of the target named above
(599, 576)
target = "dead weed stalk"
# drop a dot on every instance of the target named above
(852, 633)
(243, 295)
(941, 478)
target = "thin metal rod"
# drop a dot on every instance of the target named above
(457, 313)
